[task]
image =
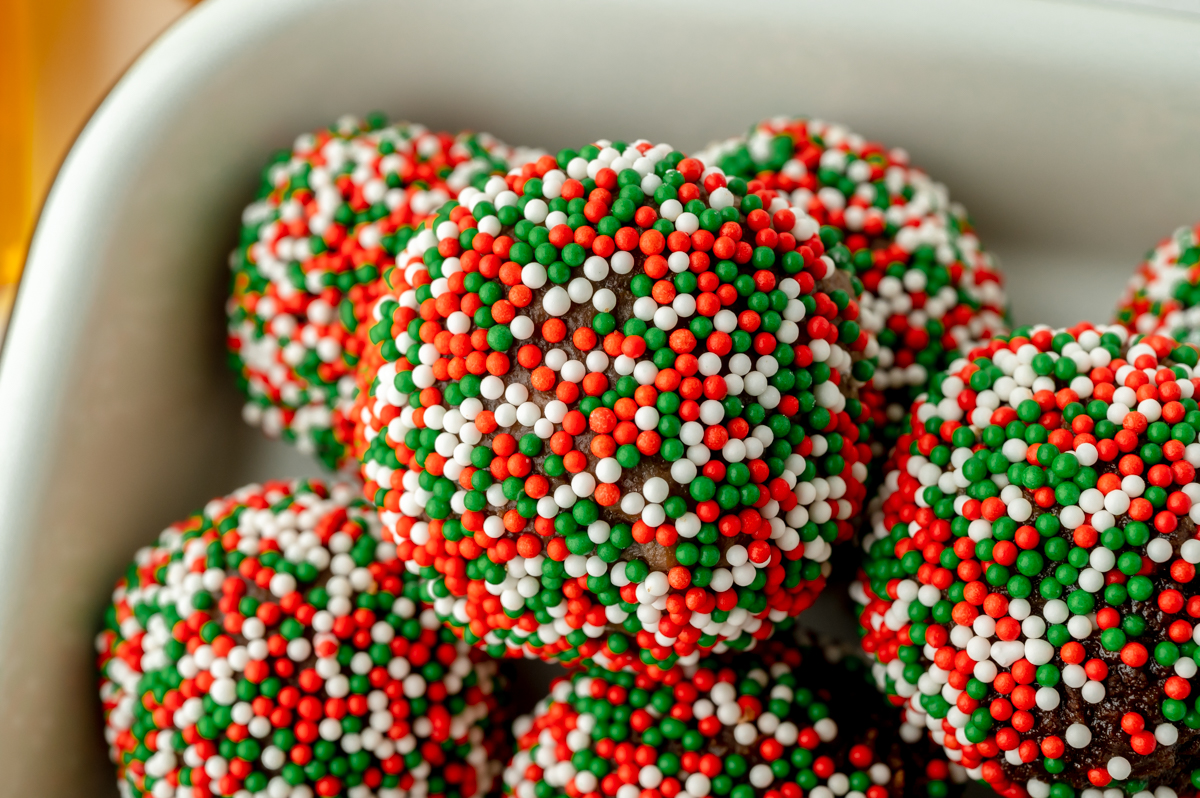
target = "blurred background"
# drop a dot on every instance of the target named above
(58, 58)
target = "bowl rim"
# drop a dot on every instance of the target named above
(56, 289)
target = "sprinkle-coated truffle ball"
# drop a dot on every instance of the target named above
(272, 646)
(1163, 295)
(330, 216)
(612, 416)
(930, 289)
(1030, 575)
(783, 723)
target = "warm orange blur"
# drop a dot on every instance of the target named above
(57, 60)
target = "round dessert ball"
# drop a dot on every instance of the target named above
(614, 414)
(930, 290)
(330, 215)
(1030, 583)
(783, 723)
(272, 646)
(1163, 295)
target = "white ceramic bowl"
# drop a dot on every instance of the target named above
(1070, 131)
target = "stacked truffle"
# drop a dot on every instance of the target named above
(612, 409)
(930, 290)
(1030, 579)
(610, 416)
(780, 723)
(1163, 295)
(273, 645)
(330, 216)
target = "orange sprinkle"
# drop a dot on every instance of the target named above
(575, 461)
(607, 495)
(446, 304)
(584, 339)
(682, 341)
(603, 446)
(528, 546)
(561, 442)
(625, 408)
(553, 330)
(667, 380)
(626, 432)
(430, 397)
(645, 396)
(543, 377)
(595, 384)
(497, 363)
(602, 420)
(612, 343)
(510, 273)
(513, 522)
(428, 331)
(663, 292)
(536, 486)
(679, 577)
(520, 295)
(529, 356)
(519, 465)
(503, 311)
(485, 422)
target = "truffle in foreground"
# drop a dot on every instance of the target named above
(779, 723)
(272, 645)
(1030, 582)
